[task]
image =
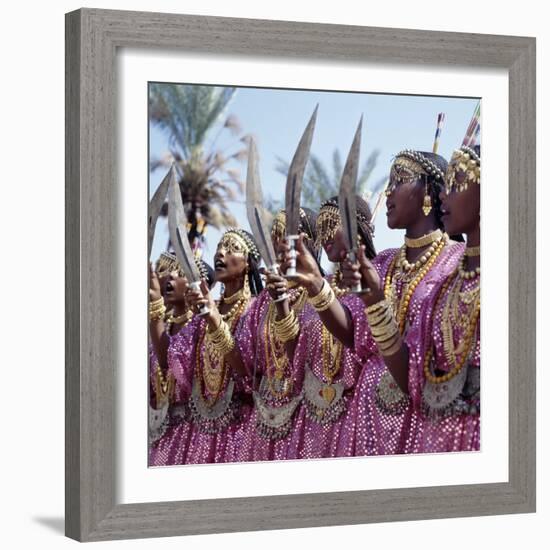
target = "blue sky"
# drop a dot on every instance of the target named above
(277, 118)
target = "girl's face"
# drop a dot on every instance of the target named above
(405, 196)
(460, 208)
(175, 287)
(230, 260)
(335, 248)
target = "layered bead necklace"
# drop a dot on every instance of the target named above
(213, 373)
(180, 320)
(460, 314)
(411, 274)
(275, 354)
(331, 348)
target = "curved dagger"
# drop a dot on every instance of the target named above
(256, 212)
(255, 209)
(155, 206)
(293, 189)
(346, 197)
(177, 227)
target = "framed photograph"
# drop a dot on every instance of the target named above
(149, 451)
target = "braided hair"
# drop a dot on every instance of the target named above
(253, 260)
(365, 229)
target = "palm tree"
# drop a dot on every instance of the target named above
(208, 176)
(319, 185)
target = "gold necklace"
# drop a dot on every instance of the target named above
(275, 353)
(425, 240)
(390, 290)
(463, 274)
(182, 319)
(164, 387)
(332, 359)
(472, 251)
(335, 284)
(449, 320)
(214, 372)
(407, 266)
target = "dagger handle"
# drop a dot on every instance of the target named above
(196, 285)
(291, 271)
(274, 268)
(357, 288)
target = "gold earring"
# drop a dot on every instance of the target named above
(427, 205)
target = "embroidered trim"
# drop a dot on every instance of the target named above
(324, 403)
(274, 422)
(458, 396)
(217, 417)
(390, 399)
(158, 422)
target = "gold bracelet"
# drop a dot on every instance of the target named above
(221, 339)
(284, 337)
(378, 318)
(394, 348)
(157, 304)
(379, 305)
(287, 328)
(324, 299)
(157, 314)
(390, 330)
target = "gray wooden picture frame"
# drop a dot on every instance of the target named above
(92, 39)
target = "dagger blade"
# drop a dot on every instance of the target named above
(254, 207)
(346, 198)
(295, 176)
(177, 227)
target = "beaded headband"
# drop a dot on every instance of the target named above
(467, 162)
(168, 262)
(241, 237)
(416, 163)
(328, 222)
(278, 229)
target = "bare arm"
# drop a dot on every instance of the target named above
(336, 317)
(397, 360)
(157, 329)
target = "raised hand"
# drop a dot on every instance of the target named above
(154, 284)
(364, 272)
(276, 284)
(307, 270)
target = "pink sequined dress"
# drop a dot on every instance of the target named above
(168, 428)
(330, 373)
(213, 428)
(271, 428)
(446, 337)
(385, 417)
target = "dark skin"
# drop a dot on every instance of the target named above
(173, 291)
(461, 215)
(404, 211)
(277, 285)
(230, 269)
(336, 318)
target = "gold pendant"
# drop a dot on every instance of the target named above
(328, 393)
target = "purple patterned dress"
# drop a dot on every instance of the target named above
(277, 392)
(211, 429)
(385, 417)
(330, 372)
(167, 415)
(447, 342)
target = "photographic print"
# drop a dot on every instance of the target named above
(314, 274)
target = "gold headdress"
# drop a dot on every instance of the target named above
(409, 164)
(237, 240)
(464, 169)
(167, 263)
(328, 222)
